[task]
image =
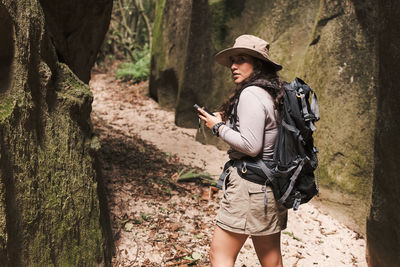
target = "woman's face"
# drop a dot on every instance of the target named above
(242, 67)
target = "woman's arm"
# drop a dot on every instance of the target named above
(251, 116)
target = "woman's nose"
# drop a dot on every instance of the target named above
(233, 66)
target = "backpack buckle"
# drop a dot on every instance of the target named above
(300, 93)
(297, 201)
(244, 169)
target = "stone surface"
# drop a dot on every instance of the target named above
(52, 208)
(170, 36)
(342, 69)
(327, 43)
(77, 29)
(383, 233)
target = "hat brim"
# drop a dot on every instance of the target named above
(223, 56)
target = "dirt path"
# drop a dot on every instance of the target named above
(159, 222)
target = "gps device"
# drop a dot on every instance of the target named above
(196, 107)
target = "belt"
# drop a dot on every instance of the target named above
(246, 169)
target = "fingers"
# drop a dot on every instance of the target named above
(202, 114)
(202, 117)
(209, 119)
(205, 114)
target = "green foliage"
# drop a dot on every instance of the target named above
(291, 235)
(130, 30)
(145, 216)
(137, 71)
(191, 175)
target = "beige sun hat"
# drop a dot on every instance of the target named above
(249, 45)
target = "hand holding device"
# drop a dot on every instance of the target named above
(196, 107)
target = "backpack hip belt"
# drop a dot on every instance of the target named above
(248, 169)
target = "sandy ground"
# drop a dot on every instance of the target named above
(313, 237)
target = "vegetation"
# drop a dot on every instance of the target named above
(129, 39)
(192, 175)
(136, 71)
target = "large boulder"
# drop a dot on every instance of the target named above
(181, 57)
(383, 233)
(77, 30)
(330, 44)
(339, 64)
(52, 204)
(167, 54)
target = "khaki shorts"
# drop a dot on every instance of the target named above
(243, 210)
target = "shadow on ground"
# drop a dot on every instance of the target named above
(147, 206)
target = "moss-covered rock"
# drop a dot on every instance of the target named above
(52, 209)
(170, 36)
(341, 67)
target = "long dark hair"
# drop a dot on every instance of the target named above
(264, 76)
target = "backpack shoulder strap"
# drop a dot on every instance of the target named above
(233, 117)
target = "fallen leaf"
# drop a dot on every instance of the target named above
(199, 236)
(128, 227)
(196, 256)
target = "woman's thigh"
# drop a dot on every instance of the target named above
(225, 247)
(268, 249)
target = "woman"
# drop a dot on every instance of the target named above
(248, 123)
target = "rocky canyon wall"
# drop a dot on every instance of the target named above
(52, 204)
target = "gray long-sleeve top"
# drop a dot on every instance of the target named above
(256, 123)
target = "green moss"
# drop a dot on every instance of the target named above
(68, 84)
(221, 12)
(95, 144)
(56, 188)
(7, 105)
(344, 82)
(68, 206)
(158, 40)
(47, 170)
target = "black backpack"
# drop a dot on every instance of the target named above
(291, 172)
(295, 157)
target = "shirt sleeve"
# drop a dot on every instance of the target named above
(251, 116)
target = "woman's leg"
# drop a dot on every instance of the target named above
(225, 247)
(268, 249)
